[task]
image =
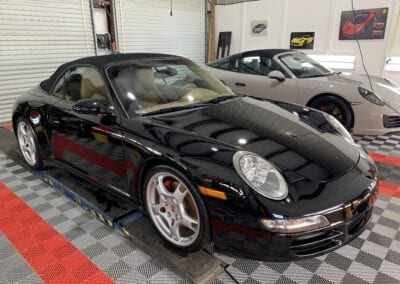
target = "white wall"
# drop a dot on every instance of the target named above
(228, 18)
(320, 16)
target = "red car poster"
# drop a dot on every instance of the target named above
(363, 24)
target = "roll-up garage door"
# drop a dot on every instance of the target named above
(147, 26)
(36, 36)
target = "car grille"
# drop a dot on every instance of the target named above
(324, 241)
(316, 244)
(391, 121)
(355, 225)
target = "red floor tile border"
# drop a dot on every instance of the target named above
(385, 159)
(389, 189)
(8, 128)
(50, 254)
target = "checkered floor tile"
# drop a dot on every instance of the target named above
(108, 249)
(13, 267)
(385, 144)
(389, 173)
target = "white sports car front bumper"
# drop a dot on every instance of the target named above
(370, 120)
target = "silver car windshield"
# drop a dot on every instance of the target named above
(302, 66)
(162, 85)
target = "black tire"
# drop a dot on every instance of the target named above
(38, 165)
(335, 106)
(204, 230)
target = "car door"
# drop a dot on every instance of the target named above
(251, 78)
(90, 143)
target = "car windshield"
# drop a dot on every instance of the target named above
(303, 66)
(161, 85)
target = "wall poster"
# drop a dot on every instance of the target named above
(363, 24)
(259, 28)
(302, 40)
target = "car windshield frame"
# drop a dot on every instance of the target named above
(313, 70)
(217, 90)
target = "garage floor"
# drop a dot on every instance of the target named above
(46, 237)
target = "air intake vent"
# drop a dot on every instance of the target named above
(317, 244)
(391, 121)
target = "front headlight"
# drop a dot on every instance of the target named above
(371, 96)
(339, 128)
(290, 226)
(260, 175)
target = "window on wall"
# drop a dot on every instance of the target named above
(392, 64)
(336, 61)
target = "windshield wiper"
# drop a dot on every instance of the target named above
(171, 109)
(319, 75)
(190, 106)
(219, 99)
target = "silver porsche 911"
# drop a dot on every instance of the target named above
(292, 76)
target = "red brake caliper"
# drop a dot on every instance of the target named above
(168, 184)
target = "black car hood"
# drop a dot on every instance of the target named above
(298, 140)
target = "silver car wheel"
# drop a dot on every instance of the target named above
(26, 142)
(173, 209)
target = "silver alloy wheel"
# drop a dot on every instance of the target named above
(26, 142)
(173, 209)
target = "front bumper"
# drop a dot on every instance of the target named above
(347, 222)
(370, 120)
(349, 226)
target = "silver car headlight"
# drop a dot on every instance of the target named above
(371, 96)
(339, 128)
(260, 175)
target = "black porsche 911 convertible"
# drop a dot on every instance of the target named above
(270, 179)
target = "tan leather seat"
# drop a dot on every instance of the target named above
(92, 87)
(87, 89)
(145, 87)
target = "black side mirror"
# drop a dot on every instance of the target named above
(90, 106)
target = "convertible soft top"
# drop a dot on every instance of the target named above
(268, 52)
(100, 62)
